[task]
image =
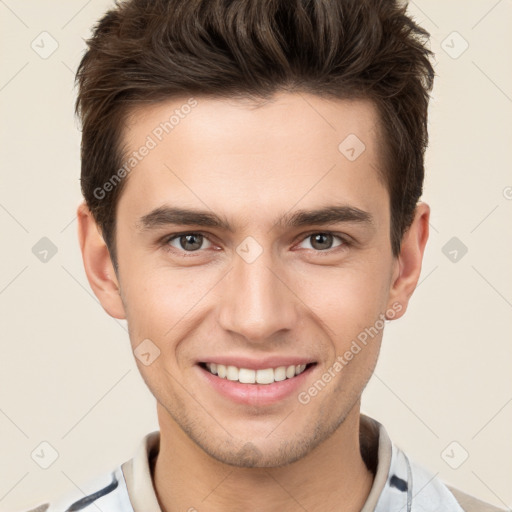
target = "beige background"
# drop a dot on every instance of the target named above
(67, 374)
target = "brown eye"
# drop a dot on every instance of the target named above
(188, 242)
(322, 241)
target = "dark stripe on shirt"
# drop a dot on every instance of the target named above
(87, 500)
(397, 482)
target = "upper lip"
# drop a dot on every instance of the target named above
(257, 364)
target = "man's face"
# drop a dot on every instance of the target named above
(271, 289)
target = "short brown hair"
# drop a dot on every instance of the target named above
(153, 50)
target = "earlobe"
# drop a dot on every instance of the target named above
(408, 265)
(97, 264)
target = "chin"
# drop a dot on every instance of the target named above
(263, 453)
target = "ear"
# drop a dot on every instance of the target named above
(408, 264)
(97, 263)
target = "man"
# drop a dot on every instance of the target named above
(251, 173)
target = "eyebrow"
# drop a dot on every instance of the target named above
(165, 215)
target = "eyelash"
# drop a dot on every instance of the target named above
(345, 242)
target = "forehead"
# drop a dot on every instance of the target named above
(227, 153)
(246, 123)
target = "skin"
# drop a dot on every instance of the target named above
(252, 166)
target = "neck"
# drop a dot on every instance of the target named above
(331, 477)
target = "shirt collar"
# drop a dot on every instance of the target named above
(376, 450)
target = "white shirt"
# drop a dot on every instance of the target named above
(400, 485)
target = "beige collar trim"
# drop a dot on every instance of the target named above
(142, 494)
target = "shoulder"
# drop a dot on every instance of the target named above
(106, 492)
(471, 504)
(432, 493)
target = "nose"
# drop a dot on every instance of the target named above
(257, 302)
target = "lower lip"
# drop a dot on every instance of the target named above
(256, 394)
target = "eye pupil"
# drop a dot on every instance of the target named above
(319, 240)
(192, 241)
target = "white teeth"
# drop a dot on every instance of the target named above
(247, 376)
(280, 373)
(290, 371)
(232, 373)
(264, 376)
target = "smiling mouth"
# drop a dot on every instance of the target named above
(260, 376)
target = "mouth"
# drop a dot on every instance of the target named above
(264, 384)
(263, 376)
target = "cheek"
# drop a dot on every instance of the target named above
(348, 299)
(160, 306)
(161, 302)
